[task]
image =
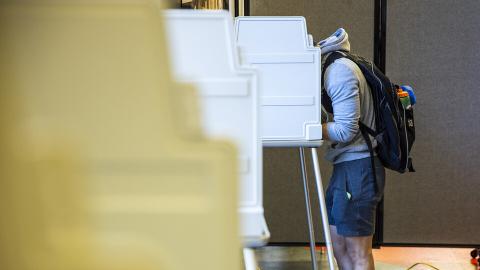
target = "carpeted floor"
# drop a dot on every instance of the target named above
(386, 258)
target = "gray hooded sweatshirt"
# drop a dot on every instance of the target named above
(351, 102)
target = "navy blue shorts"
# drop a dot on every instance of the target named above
(352, 196)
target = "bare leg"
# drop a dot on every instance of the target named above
(340, 250)
(360, 251)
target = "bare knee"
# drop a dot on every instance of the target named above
(360, 252)
(339, 244)
(360, 255)
(340, 250)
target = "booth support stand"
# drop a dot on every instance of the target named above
(249, 255)
(323, 209)
(308, 208)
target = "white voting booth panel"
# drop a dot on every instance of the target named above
(94, 74)
(290, 90)
(203, 52)
(290, 69)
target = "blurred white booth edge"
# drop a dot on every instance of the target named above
(203, 52)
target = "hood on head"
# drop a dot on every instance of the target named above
(338, 41)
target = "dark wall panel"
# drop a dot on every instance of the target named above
(434, 45)
(283, 190)
(326, 16)
(284, 198)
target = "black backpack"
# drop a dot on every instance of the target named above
(395, 126)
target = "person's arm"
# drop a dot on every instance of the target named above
(341, 84)
(325, 132)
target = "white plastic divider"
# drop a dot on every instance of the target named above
(279, 47)
(203, 52)
(290, 90)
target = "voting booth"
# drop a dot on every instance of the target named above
(289, 66)
(96, 76)
(203, 52)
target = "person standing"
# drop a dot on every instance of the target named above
(355, 188)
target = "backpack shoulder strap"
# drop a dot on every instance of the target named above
(330, 59)
(365, 133)
(326, 100)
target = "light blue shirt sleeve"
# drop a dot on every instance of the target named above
(342, 85)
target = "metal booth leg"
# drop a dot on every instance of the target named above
(323, 209)
(309, 209)
(249, 259)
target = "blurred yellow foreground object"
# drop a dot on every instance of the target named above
(103, 158)
(44, 224)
